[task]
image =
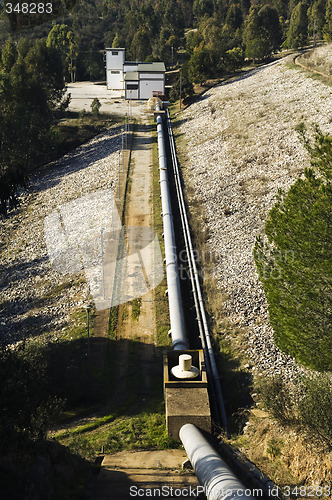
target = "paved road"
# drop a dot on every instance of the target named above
(83, 93)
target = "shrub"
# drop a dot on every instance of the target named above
(294, 262)
(95, 106)
(315, 407)
(26, 407)
(278, 400)
(307, 404)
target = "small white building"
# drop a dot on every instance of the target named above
(115, 59)
(138, 80)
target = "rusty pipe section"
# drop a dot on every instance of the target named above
(173, 281)
(213, 473)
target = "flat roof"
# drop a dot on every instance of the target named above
(115, 48)
(154, 66)
(131, 75)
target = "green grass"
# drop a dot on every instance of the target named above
(145, 431)
(78, 328)
(136, 308)
(81, 429)
(162, 310)
(113, 322)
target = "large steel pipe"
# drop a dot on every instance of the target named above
(213, 473)
(172, 274)
(210, 361)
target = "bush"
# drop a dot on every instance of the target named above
(315, 407)
(27, 409)
(95, 106)
(82, 114)
(278, 400)
(308, 404)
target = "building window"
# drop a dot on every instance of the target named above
(115, 53)
(115, 72)
(132, 86)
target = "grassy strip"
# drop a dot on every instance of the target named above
(136, 308)
(310, 73)
(84, 428)
(114, 312)
(145, 431)
(162, 310)
(113, 322)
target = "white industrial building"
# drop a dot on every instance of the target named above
(137, 80)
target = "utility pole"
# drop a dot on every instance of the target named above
(102, 260)
(180, 87)
(119, 174)
(88, 309)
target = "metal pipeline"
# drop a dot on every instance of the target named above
(215, 476)
(213, 473)
(173, 282)
(210, 360)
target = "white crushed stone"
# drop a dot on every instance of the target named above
(26, 275)
(242, 145)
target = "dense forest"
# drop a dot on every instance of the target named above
(211, 35)
(205, 37)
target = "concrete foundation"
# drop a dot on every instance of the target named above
(186, 400)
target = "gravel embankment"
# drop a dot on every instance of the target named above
(35, 298)
(241, 146)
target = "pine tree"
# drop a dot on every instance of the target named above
(328, 21)
(294, 262)
(30, 91)
(297, 35)
(262, 32)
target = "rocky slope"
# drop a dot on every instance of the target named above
(241, 146)
(35, 298)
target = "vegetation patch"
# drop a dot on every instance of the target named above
(306, 403)
(113, 322)
(73, 129)
(318, 59)
(136, 308)
(146, 431)
(162, 309)
(294, 262)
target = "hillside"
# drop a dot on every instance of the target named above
(241, 147)
(238, 146)
(35, 298)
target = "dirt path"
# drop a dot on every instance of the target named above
(140, 327)
(139, 213)
(136, 319)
